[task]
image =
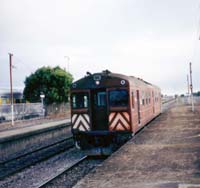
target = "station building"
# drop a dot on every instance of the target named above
(5, 96)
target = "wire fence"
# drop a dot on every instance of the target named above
(21, 111)
(55, 109)
(24, 111)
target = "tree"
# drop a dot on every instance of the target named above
(54, 83)
(197, 93)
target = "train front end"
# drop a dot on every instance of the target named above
(100, 113)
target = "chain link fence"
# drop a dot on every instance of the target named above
(21, 111)
(24, 111)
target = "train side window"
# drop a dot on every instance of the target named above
(148, 98)
(143, 98)
(118, 97)
(79, 100)
(143, 102)
(133, 99)
(155, 96)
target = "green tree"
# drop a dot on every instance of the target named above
(54, 83)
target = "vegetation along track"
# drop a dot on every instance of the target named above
(21, 162)
(70, 175)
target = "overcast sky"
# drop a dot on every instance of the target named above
(151, 39)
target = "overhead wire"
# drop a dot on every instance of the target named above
(16, 59)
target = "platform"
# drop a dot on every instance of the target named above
(14, 143)
(27, 131)
(165, 155)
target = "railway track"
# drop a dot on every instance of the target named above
(59, 174)
(21, 162)
(55, 181)
(15, 165)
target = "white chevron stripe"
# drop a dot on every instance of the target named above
(120, 127)
(81, 120)
(126, 115)
(111, 116)
(74, 117)
(87, 117)
(81, 128)
(117, 118)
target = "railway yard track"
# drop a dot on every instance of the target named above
(65, 177)
(72, 174)
(59, 174)
(65, 169)
(15, 165)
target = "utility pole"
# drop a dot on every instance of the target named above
(188, 89)
(188, 86)
(68, 59)
(11, 88)
(191, 87)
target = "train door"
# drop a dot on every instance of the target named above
(153, 102)
(99, 110)
(138, 106)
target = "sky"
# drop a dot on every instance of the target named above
(151, 39)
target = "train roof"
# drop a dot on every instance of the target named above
(86, 81)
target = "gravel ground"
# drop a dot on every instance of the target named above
(34, 175)
(13, 166)
(70, 178)
(166, 154)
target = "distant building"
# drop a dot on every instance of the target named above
(5, 96)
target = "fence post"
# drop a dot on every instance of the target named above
(23, 112)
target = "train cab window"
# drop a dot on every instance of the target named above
(118, 97)
(101, 99)
(79, 100)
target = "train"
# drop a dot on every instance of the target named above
(107, 109)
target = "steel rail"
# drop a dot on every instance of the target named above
(167, 101)
(39, 159)
(51, 179)
(37, 150)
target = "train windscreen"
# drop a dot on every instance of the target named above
(118, 97)
(79, 100)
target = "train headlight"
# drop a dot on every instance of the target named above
(97, 82)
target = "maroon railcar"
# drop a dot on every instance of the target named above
(109, 108)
